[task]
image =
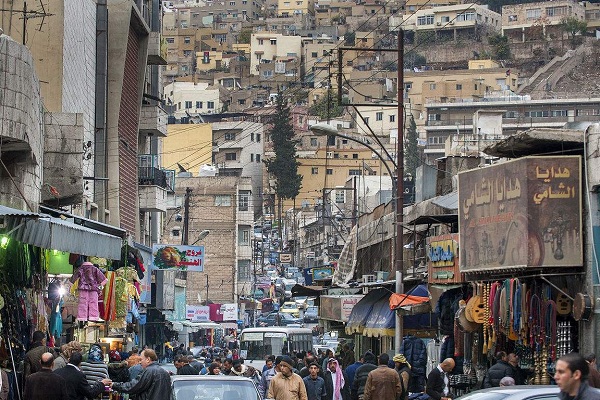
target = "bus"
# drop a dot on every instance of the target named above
(257, 343)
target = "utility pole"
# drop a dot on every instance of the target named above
(399, 248)
(186, 218)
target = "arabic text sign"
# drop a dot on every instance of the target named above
(197, 313)
(185, 258)
(522, 213)
(442, 259)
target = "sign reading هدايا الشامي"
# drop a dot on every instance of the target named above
(175, 257)
(521, 213)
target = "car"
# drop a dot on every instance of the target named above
(290, 307)
(278, 319)
(213, 387)
(311, 314)
(514, 393)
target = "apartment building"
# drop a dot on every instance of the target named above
(191, 98)
(287, 8)
(522, 22)
(331, 12)
(269, 47)
(320, 62)
(452, 22)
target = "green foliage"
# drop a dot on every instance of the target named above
(320, 109)
(284, 166)
(413, 59)
(412, 155)
(424, 38)
(244, 36)
(574, 26)
(500, 47)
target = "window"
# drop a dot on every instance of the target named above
(241, 102)
(244, 270)
(222, 200)
(393, 118)
(251, 157)
(314, 54)
(513, 18)
(261, 42)
(187, 53)
(170, 40)
(273, 42)
(187, 40)
(258, 138)
(432, 86)
(257, 158)
(379, 116)
(198, 104)
(355, 156)
(466, 16)
(367, 120)
(314, 141)
(230, 156)
(232, 3)
(329, 171)
(210, 104)
(534, 13)
(188, 105)
(434, 117)
(258, 56)
(340, 196)
(314, 171)
(243, 200)
(230, 136)
(556, 11)
(435, 140)
(252, 136)
(425, 20)
(458, 86)
(354, 172)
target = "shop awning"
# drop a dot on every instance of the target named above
(57, 234)
(310, 291)
(416, 301)
(176, 326)
(228, 325)
(381, 321)
(48, 232)
(361, 311)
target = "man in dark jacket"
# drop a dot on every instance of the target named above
(571, 377)
(362, 373)
(498, 371)
(153, 383)
(336, 381)
(315, 385)
(438, 381)
(44, 384)
(34, 355)
(78, 387)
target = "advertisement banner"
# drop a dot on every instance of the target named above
(229, 312)
(442, 259)
(521, 213)
(197, 313)
(175, 257)
(337, 308)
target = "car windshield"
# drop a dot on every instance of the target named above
(288, 306)
(311, 310)
(205, 389)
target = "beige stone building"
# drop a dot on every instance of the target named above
(287, 8)
(522, 22)
(269, 47)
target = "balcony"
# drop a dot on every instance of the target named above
(153, 120)
(157, 49)
(153, 185)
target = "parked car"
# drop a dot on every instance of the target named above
(311, 314)
(514, 393)
(290, 307)
(278, 319)
(213, 387)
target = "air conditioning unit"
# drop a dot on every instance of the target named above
(438, 23)
(369, 278)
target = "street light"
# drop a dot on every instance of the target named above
(322, 129)
(202, 235)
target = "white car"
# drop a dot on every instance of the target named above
(514, 393)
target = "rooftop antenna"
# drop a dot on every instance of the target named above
(25, 15)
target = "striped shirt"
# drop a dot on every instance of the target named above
(94, 371)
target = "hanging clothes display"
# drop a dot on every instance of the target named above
(91, 279)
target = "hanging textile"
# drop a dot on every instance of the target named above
(108, 311)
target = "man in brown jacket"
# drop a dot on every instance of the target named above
(34, 355)
(383, 383)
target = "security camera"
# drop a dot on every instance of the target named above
(178, 217)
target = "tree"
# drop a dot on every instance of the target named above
(284, 166)
(244, 36)
(320, 109)
(412, 154)
(501, 47)
(573, 27)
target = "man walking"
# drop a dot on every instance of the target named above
(383, 383)
(44, 384)
(267, 376)
(287, 385)
(335, 381)
(315, 385)
(78, 387)
(153, 383)
(438, 381)
(361, 375)
(572, 371)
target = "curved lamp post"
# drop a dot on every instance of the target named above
(202, 235)
(322, 129)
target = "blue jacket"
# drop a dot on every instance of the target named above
(263, 386)
(351, 371)
(415, 351)
(315, 388)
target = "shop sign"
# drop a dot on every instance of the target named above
(175, 257)
(521, 213)
(229, 312)
(197, 313)
(146, 281)
(179, 312)
(322, 273)
(337, 308)
(442, 259)
(285, 258)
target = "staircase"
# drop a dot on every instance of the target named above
(546, 77)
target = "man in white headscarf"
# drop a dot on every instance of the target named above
(335, 381)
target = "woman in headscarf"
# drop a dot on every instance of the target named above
(403, 368)
(65, 353)
(94, 368)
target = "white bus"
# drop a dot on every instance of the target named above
(258, 343)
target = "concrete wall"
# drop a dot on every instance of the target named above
(21, 127)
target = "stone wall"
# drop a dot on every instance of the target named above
(21, 127)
